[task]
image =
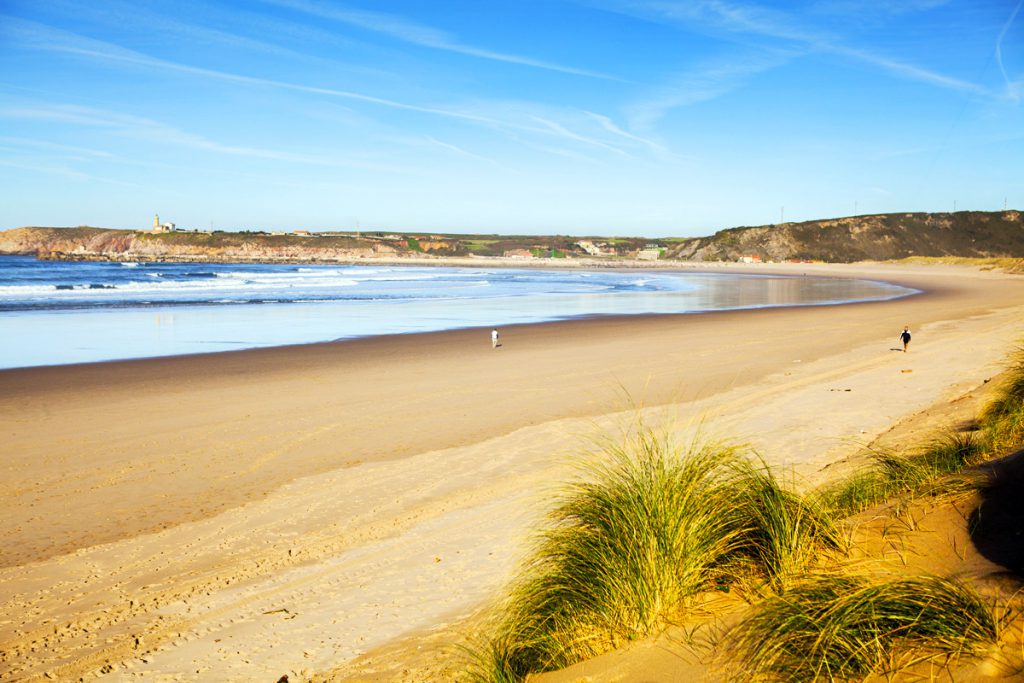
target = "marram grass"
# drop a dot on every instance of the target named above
(782, 533)
(952, 451)
(925, 471)
(653, 525)
(836, 627)
(1003, 419)
(631, 544)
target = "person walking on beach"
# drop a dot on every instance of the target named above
(905, 337)
(494, 338)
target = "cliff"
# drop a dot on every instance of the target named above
(862, 238)
(840, 240)
(88, 244)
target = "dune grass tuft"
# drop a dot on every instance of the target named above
(488, 661)
(856, 493)
(953, 451)
(784, 533)
(891, 473)
(1003, 418)
(836, 627)
(625, 549)
(629, 546)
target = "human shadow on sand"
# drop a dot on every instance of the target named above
(997, 524)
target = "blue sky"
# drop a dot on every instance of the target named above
(603, 117)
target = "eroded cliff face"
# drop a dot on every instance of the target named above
(840, 240)
(859, 238)
(125, 245)
(67, 240)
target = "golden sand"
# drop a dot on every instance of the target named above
(244, 515)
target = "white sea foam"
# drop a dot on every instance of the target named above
(327, 303)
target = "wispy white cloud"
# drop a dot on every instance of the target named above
(136, 17)
(562, 152)
(406, 31)
(908, 6)
(431, 142)
(607, 124)
(888, 9)
(1013, 88)
(195, 24)
(502, 117)
(55, 147)
(142, 128)
(702, 83)
(61, 171)
(752, 19)
(563, 132)
(715, 15)
(906, 70)
(39, 36)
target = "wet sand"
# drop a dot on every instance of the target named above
(244, 515)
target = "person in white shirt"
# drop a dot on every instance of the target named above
(494, 338)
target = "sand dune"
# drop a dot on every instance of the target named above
(245, 515)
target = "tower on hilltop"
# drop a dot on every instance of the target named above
(161, 227)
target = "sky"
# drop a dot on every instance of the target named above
(653, 118)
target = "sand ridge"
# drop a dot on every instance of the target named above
(324, 526)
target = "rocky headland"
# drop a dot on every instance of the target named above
(972, 234)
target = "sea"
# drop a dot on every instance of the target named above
(55, 313)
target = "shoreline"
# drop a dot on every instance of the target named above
(377, 338)
(327, 479)
(100, 389)
(136, 319)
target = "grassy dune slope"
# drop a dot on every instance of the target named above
(928, 585)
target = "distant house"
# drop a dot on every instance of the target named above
(649, 254)
(595, 249)
(754, 258)
(303, 233)
(588, 247)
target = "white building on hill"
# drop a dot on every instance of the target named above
(162, 227)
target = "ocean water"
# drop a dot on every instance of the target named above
(54, 313)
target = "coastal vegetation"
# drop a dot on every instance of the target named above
(1002, 422)
(650, 528)
(1006, 264)
(891, 473)
(988, 239)
(847, 626)
(628, 547)
(881, 237)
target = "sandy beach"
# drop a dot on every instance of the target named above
(240, 516)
